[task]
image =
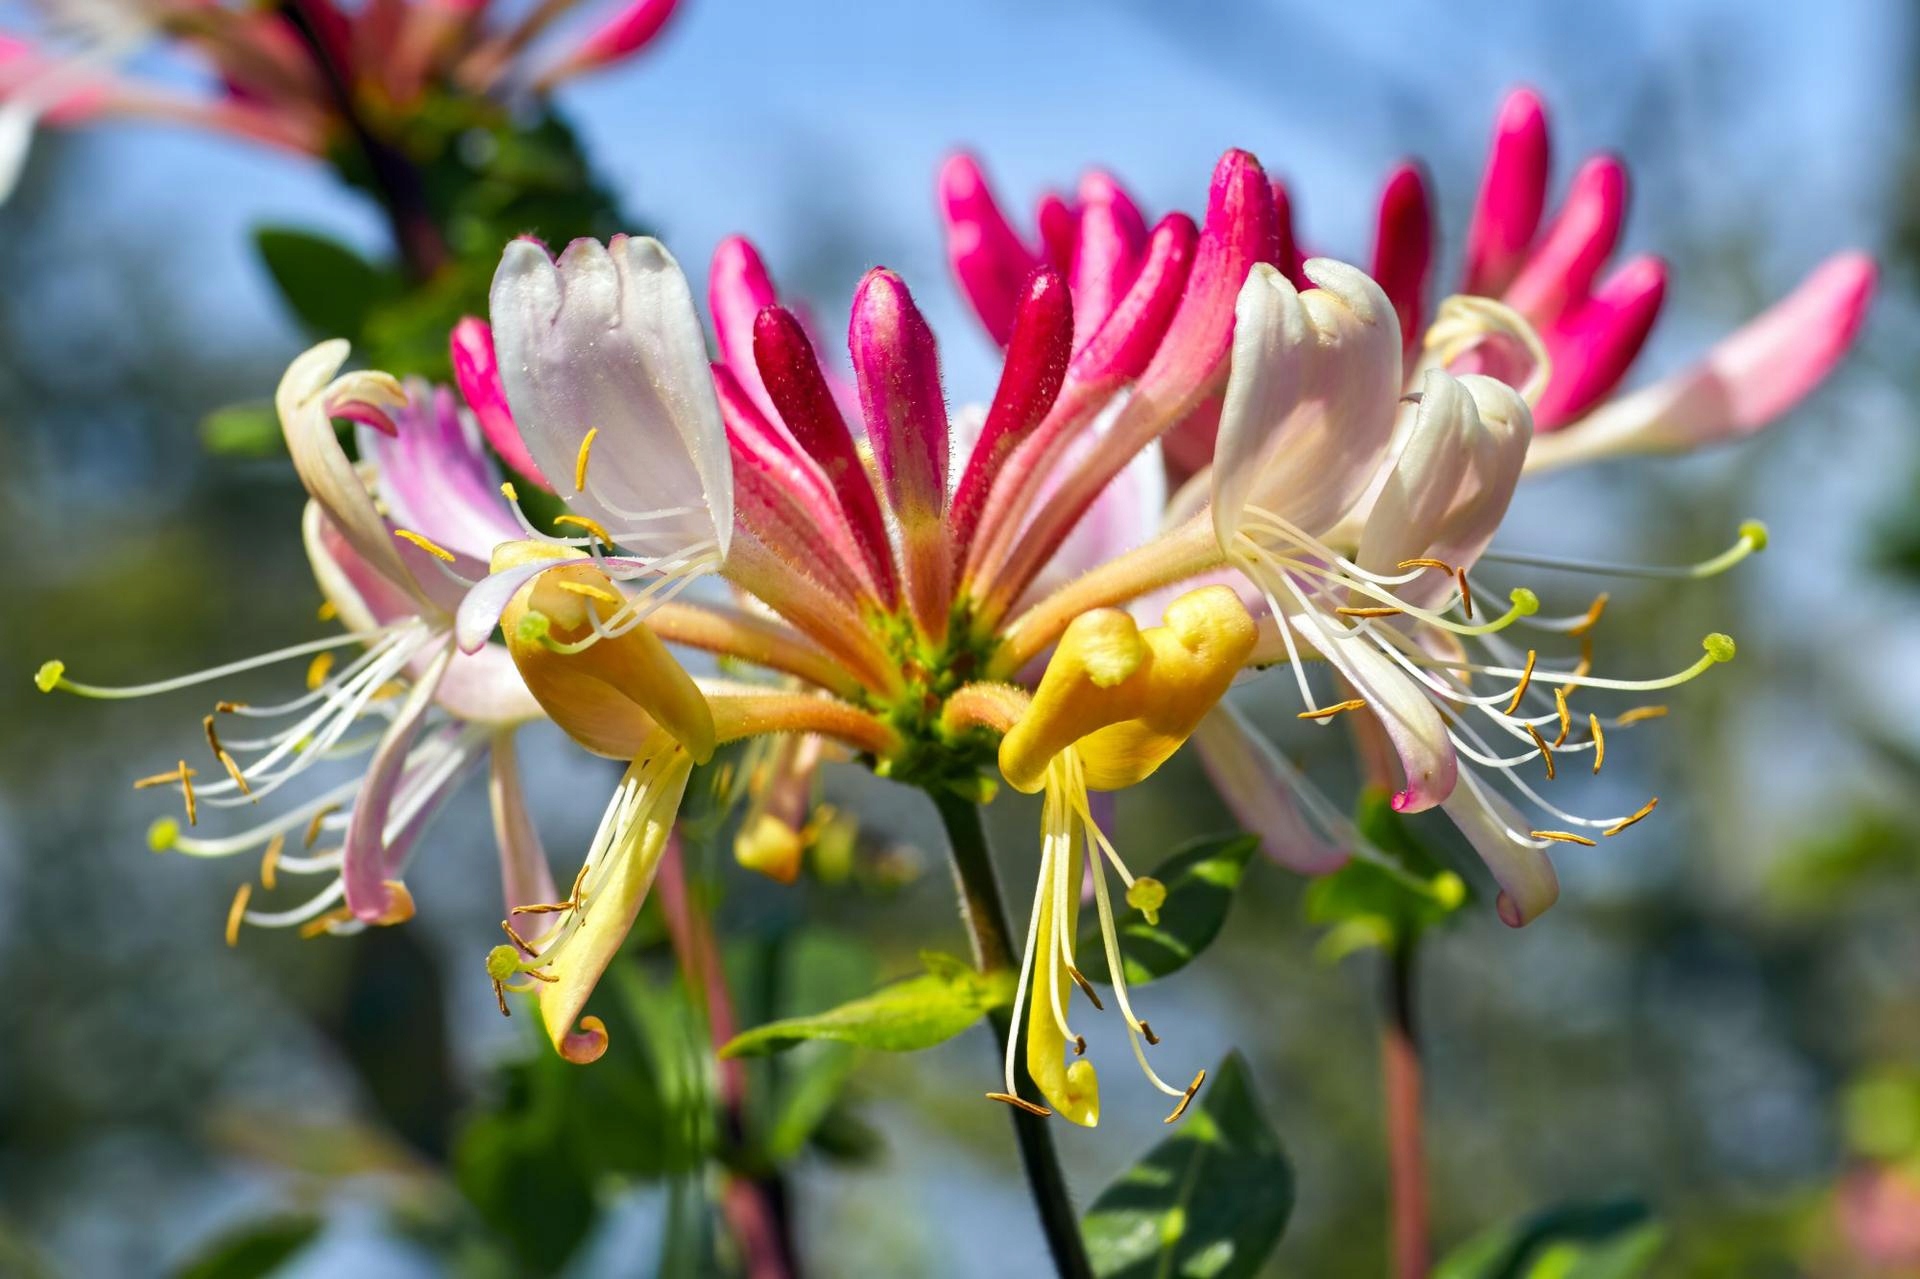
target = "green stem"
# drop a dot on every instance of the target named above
(986, 916)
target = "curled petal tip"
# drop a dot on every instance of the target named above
(587, 1044)
(1509, 911)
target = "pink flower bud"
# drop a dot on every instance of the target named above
(476, 372)
(631, 28)
(1592, 348)
(1559, 275)
(1513, 195)
(989, 260)
(738, 289)
(1112, 236)
(1403, 247)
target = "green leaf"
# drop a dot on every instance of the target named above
(329, 287)
(1610, 1240)
(1200, 880)
(906, 1016)
(1365, 904)
(243, 430)
(254, 1250)
(1209, 1202)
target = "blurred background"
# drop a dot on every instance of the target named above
(1721, 1019)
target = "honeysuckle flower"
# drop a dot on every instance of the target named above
(1591, 323)
(281, 73)
(418, 715)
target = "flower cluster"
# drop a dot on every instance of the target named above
(939, 594)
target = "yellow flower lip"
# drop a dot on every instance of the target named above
(1126, 698)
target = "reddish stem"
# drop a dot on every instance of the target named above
(1406, 1153)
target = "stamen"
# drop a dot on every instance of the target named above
(1019, 1103)
(237, 912)
(1424, 562)
(324, 923)
(318, 669)
(1637, 714)
(1546, 751)
(159, 779)
(1752, 538)
(1466, 592)
(426, 544)
(1328, 712)
(508, 491)
(186, 791)
(1566, 716)
(1565, 837)
(1146, 1033)
(1625, 822)
(1599, 741)
(228, 708)
(1086, 987)
(226, 760)
(314, 826)
(591, 591)
(327, 611)
(1592, 619)
(270, 861)
(592, 526)
(1526, 678)
(1187, 1100)
(580, 462)
(1369, 612)
(1079, 1045)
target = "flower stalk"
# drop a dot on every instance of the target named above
(985, 913)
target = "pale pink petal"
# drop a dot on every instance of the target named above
(366, 862)
(1751, 377)
(525, 877)
(1258, 785)
(1413, 726)
(435, 478)
(1498, 832)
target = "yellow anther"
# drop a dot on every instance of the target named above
(1639, 713)
(580, 462)
(1368, 612)
(186, 792)
(314, 826)
(1599, 741)
(1019, 1103)
(226, 760)
(161, 779)
(1566, 716)
(327, 611)
(324, 923)
(592, 527)
(1338, 708)
(1585, 668)
(1424, 562)
(237, 913)
(508, 491)
(591, 591)
(1526, 678)
(318, 669)
(1546, 751)
(270, 862)
(1079, 1045)
(1565, 837)
(1146, 1033)
(48, 677)
(1466, 592)
(426, 544)
(770, 846)
(228, 708)
(1625, 822)
(1187, 1100)
(1592, 619)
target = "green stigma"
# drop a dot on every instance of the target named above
(1448, 889)
(503, 963)
(1525, 602)
(163, 834)
(1754, 534)
(1719, 647)
(49, 676)
(532, 628)
(1147, 895)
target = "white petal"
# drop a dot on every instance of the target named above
(608, 339)
(1528, 885)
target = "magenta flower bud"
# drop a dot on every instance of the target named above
(787, 368)
(1059, 230)
(1112, 236)
(1560, 273)
(632, 28)
(1035, 368)
(1288, 255)
(1121, 348)
(989, 260)
(1592, 349)
(476, 371)
(1513, 195)
(738, 288)
(1403, 247)
(897, 369)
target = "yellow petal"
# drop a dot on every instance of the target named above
(1070, 1086)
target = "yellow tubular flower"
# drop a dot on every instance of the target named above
(606, 682)
(1114, 703)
